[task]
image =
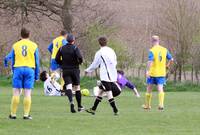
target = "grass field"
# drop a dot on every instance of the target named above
(51, 116)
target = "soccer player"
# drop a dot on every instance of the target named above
(156, 72)
(69, 58)
(51, 86)
(54, 47)
(122, 82)
(106, 59)
(25, 63)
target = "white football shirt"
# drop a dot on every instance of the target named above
(52, 88)
(107, 60)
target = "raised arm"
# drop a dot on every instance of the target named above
(95, 64)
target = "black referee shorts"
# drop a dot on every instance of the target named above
(111, 86)
(71, 76)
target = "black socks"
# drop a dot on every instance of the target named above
(69, 95)
(78, 98)
(112, 103)
(96, 103)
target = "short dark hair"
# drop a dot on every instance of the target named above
(120, 72)
(102, 41)
(70, 38)
(63, 33)
(43, 76)
(25, 33)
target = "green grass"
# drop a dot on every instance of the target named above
(51, 116)
(89, 83)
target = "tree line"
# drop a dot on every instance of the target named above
(177, 23)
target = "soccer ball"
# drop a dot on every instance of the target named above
(85, 92)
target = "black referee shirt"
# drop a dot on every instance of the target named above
(69, 57)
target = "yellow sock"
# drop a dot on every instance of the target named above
(148, 99)
(62, 83)
(27, 105)
(161, 97)
(14, 105)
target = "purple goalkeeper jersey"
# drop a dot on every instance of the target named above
(124, 82)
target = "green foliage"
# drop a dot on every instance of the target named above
(91, 44)
(169, 87)
(89, 83)
(123, 57)
(180, 87)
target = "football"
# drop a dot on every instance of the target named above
(85, 92)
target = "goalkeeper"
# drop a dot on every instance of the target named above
(122, 82)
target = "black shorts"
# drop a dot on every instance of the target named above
(107, 86)
(71, 76)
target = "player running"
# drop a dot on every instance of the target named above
(156, 72)
(25, 65)
(122, 82)
(106, 59)
(69, 58)
(54, 47)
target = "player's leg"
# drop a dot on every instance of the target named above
(161, 94)
(68, 89)
(17, 85)
(55, 67)
(112, 102)
(14, 103)
(116, 90)
(77, 89)
(68, 92)
(95, 91)
(28, 83)
(98, 99)
(99, 86)
(27, 103)
(62, 82)
(78, 97)
(109, 86)
(148, 94)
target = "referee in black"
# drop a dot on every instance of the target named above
(69, 58)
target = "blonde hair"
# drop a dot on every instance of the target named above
(155, 38)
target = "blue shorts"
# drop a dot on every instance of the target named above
(23, 78)
(156, 80)
(54, 65)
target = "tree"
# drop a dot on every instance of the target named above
(71, 13)
(178, 23)
(90, 45)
